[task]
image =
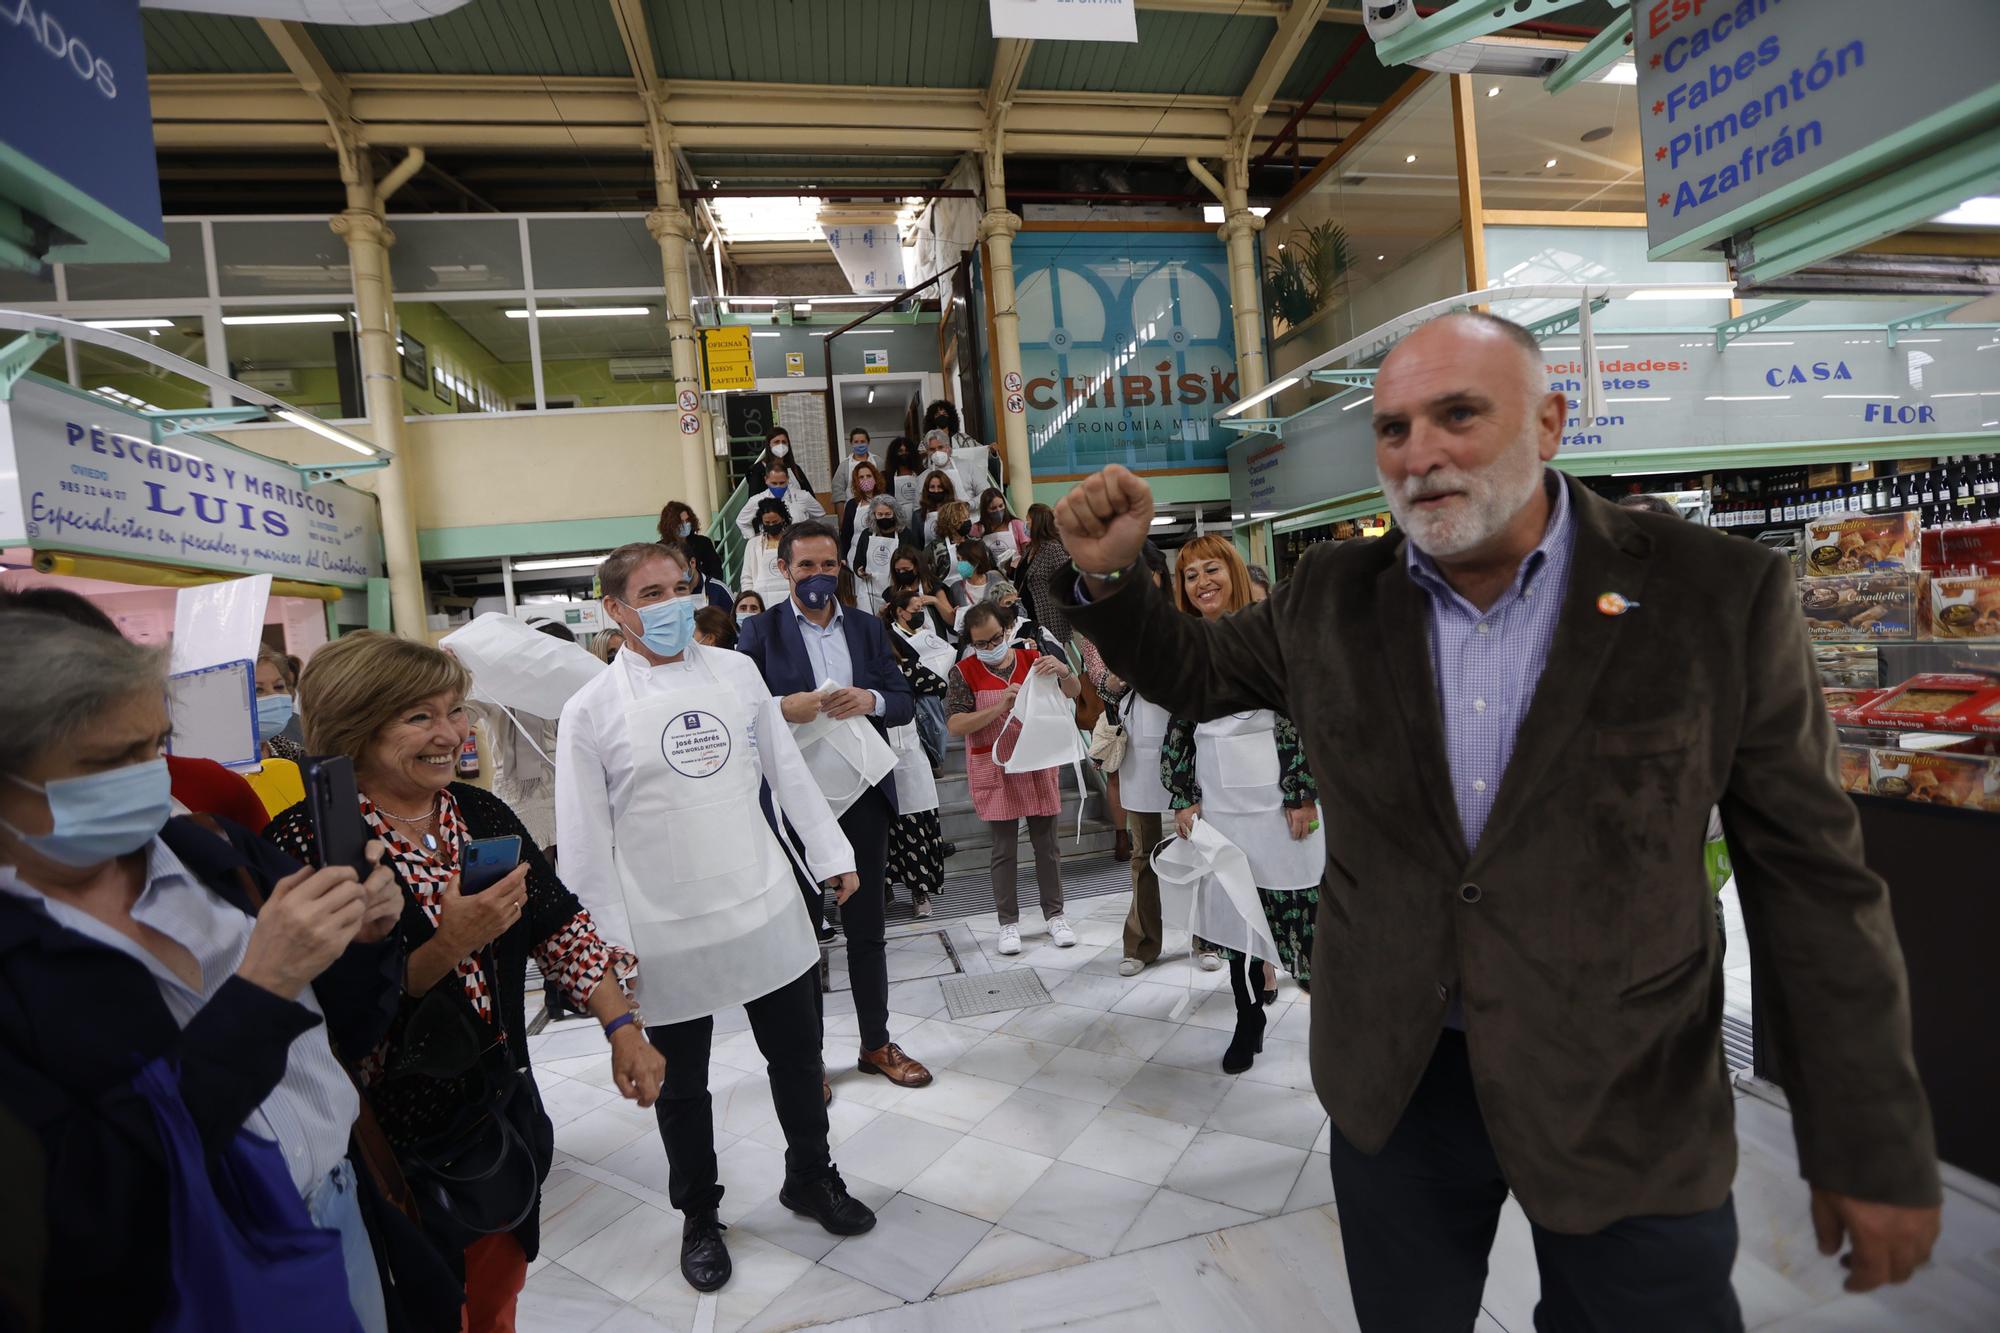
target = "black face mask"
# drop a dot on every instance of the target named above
(996, 516)
(905, 575)
(773, 529)
(885, 525)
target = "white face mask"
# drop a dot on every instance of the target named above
(780, 450)
(939, 458)
(995, 655)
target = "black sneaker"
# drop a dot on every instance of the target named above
(826, 1201)
(704, 1258)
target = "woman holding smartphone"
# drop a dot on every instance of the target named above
(397, 709)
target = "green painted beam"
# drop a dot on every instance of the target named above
(1178, 488)
(1600, 52)
(493, 540)
(1567, 320)
(1461, 22)
(1729, 330)
(1923, 319)
(1363, 378)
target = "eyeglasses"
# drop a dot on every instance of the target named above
(991, 643)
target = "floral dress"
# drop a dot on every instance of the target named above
(1290, 911)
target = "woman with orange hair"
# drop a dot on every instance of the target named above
(1245, 774)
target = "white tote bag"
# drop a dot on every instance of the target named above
(1206, 889)
(846, 756)
(521, 669)
(1043, 725)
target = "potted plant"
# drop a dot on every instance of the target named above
(1302, 277)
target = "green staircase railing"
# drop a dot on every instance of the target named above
(723, 532)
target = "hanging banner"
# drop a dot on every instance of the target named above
(870, 251)
(726, 359)
(1753, 109)
(1066, 20)
(90, 480)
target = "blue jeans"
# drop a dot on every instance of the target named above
(332, 1205)
(930, 726)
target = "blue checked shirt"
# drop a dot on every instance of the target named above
(1487, 664)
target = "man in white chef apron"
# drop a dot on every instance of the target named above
(659, 765)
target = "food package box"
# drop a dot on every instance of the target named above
(1848, 665)
(1936, 701)
(1937, 777)
(1844, 704)
(1855, 771)
(1961, 547)
(1965, 607)
(1861, 544)
(1861, 606)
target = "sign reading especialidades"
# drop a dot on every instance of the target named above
(1672, 391)
(1750, 108)
(80, 474)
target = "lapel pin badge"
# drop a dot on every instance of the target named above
(1615, 604)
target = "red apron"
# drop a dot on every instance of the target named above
(996, 793)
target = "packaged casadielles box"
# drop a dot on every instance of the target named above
(1936, 701)
(1844, 704)
(1855, 771)
(1861, 544)
(1965, 607)
(1936, 777)
(1861, 606)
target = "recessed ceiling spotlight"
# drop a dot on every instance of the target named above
(1550, 163)
(1494, 91)
(1601, 132)
(1380, 258)
(1411, 158)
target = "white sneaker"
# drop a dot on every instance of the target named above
(1209, 962)
(1010, 939)
(923, 906)
(1130, 967)
(1060, 932)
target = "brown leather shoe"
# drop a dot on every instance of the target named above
(892, 1064)
(1121, 846)
(826, 1089)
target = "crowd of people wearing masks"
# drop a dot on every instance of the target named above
(316, 1078)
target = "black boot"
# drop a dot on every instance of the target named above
(704, 1258)
(826, 1201)
(1248, 1041)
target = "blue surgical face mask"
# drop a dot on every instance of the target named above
(860, 448)
(778, 491)
(274, 712)
(995, 655)
(686, 529)
(668, 627)
(816, 590)
(100, 815)
(965, 569)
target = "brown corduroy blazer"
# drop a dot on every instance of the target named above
(1581, 929)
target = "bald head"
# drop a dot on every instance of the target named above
(1490, 338)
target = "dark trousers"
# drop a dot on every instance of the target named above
(786, 1025)
(1417, 1221)
(866, 825)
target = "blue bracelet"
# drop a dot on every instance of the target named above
(629, 1016)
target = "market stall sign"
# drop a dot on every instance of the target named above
(1753, 108)
(1674, 391)
(726, 356)
(82, 474)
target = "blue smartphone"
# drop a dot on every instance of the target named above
(485, 862)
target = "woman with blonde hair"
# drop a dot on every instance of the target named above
(1245, 774)
(451, 1078)
(276, 779)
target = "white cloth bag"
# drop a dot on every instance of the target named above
(1206, 889)
(846, 756)
(916, 788)
(1043, 725)
(521, 669)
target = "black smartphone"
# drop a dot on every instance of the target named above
(339, 831)
(484, 862)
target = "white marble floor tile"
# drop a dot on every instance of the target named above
(643, 1161)
(1038, 1122)
(750, 1173)
(771, 1221)
(1006, 1058)
(762, 1273)
(909, 964)
(913, 1246)
(1194, 1047)
(920, 999)
(1085, 990)
(1149, 1000)
(579, 1215)
(1243, 1173)
(1214, 1009)
(956, 1100)
(562, 1041)
(1513, 1283)
(1078, 1209)
(1085, 1075)
(1057, 1023)
(564, 1099)
(597, 1134)
(1314, 1188)
(1138, 1147)
(631, 1254)
(631, 1319)
(937, 1042)
(1004, 1256)
(1293, 1024)
(843, 1118)
(1284, 1064)
(1170, 1215)
(979, 1178)
(1274, 1114)
(1183, 1095)
(1048, 955)
(1935, 1300)
(594, 1069)
(992, 1022)
(893, 1148)
(1126, 1035)
(555, 1300)
(820, 1297)
(1092, 930)
(874, 1090)
(744, 1104)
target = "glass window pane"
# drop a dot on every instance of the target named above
(1529, 256)
(302, 258)
(455, 255)
(463, 356)
(616, 356)
(182, 273)
(1574, 152)
(593, 252)
(140, 384)
(18, 288)
(53, 363)
(307, 355)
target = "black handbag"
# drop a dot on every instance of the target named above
(482, 1173)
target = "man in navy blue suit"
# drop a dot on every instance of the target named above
(800, 644)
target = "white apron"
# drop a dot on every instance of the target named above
(877, 552)
(716, 917)
(1002, 546)
(971, 462)
(937, 656)
(846, 756)
(1236, 763)
(916, 788)
(1139, 785)
(905, 491)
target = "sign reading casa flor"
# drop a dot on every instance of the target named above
(1127, 352)
(1751, 108)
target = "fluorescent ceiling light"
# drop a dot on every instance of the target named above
(803, 308)
(1863, 397)
(1162, 520)
(1621, 71)
(1749, 398)
(1263, 513)
(152, 325)
(1720, 292)
(1982, 211)
(577, 312)
(1239, 517)
(320, 428)
(755, 334)
(562, 562)
(1274, 387)
(1217, 214)
(871, 395)
(318, 317)
(1761, 343)
(1358, 402)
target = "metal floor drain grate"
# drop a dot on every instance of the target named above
(1015, 988)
